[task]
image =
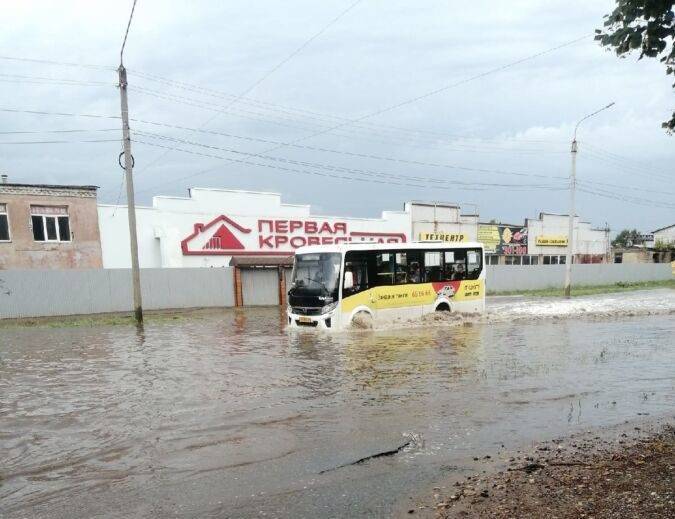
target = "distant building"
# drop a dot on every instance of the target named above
(48, 227)
(664, 237)
(657, 247)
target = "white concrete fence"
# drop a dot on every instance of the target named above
(33, 293)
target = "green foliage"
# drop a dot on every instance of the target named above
(647, 25)
(661, 245)
(627, 238)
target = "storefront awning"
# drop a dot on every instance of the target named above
(261, 261)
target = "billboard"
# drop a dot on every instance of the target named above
(503, 239)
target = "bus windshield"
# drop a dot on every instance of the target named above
(316, 274)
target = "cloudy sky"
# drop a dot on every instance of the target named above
(353, 107)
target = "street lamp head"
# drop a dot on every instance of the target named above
(589, 116)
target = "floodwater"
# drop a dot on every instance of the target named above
(228, 415)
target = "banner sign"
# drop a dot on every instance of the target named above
(558, 240)
(503, 239)
(223, 236)
(443, 236)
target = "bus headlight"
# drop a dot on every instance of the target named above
(329, 308)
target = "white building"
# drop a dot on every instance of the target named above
(210, 226)
(665, 236)
(431, 220)
(547, 239)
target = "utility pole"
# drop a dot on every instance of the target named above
(570, 230)
(573, 187)
(131, 204)
(129, 178)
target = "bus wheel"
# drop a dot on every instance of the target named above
(363, 321)
(443, 307)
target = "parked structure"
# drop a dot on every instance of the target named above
(48, 227)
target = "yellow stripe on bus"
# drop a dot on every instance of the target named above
(401, 296)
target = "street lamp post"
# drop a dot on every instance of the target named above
(573, 186)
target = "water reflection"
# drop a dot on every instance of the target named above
(229, 404)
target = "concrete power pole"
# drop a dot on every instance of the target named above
(570, 230)
(573, 187)
(129, 178)
(131, 204)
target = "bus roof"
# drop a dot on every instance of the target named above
(310, 249)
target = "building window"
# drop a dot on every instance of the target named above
(513, 260)
(4, 223)
(554, 260)
(492, 259)
(50, 223)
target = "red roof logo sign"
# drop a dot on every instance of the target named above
(223, 239)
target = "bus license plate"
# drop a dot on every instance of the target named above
(304, 319)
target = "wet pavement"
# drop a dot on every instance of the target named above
(228, 415)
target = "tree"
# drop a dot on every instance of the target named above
(627, 238)
(648, 25)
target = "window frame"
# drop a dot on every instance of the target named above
(5, 212)
(43, 217)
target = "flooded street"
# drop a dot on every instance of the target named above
(228, 415)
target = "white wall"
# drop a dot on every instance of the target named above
(665, 236)
(440, 218)
(586, 239)
(162, 227)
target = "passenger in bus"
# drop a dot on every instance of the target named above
(415, 273)
(458, 272)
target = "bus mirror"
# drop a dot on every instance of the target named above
(349, 279)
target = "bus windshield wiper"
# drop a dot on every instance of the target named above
(320, 283)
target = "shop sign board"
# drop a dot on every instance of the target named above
(503, 239)
(551, 240)
(453, 237)
(224, 236)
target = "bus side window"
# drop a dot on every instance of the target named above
(433, 270)
(384, 269)
(402, 276)
(473, 263)
(448, 265)
(357, 264)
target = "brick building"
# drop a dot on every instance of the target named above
(48, 227)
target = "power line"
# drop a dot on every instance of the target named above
(57, 142)
(60, 114)
(295, 52)
(267, 74)
(322, 116)
(26, 132)
(524, 187)
(630, 200)
(331, 167)
(459, 147)
(56, 80)
(60, 63)
(619, 186)
(352, 154)
(442, 89)
(627, 168)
